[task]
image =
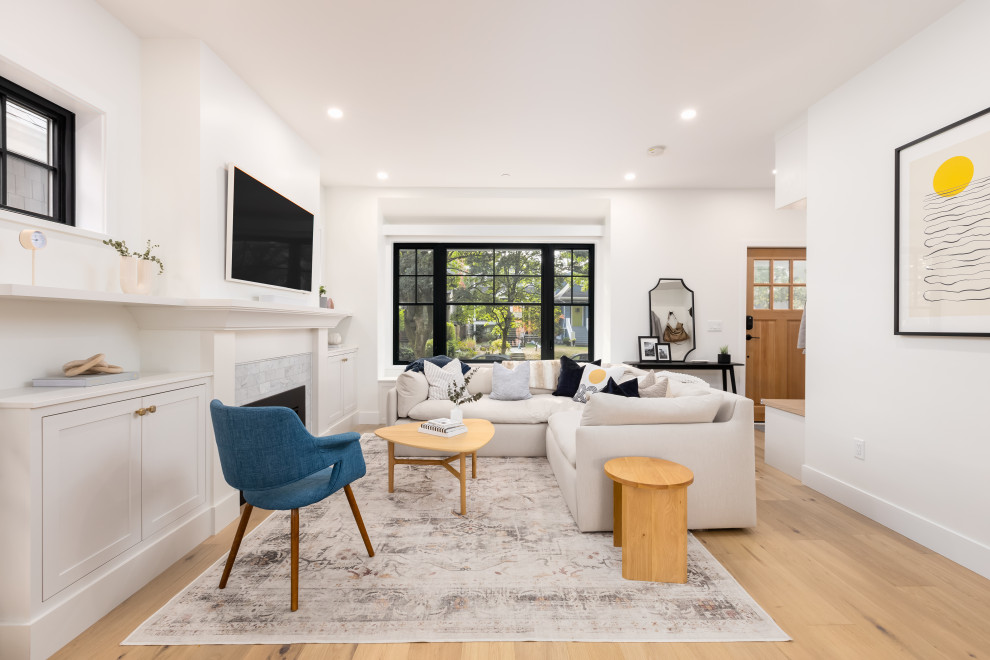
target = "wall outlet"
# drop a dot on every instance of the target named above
(714, 326)
(859, 449)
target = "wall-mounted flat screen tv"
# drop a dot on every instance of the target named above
(269, 237)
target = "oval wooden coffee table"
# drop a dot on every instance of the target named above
(650, 517)
(480, 431)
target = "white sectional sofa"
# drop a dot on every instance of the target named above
(720, 453)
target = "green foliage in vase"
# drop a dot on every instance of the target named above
(124, 251)
(460, 395)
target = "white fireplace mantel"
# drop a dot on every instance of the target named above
(157, 313)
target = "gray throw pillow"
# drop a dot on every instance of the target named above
(510, 384)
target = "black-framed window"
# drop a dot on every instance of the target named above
(36, 155)
(493, 302)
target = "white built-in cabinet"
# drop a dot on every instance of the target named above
(341, 398)
(100, 489)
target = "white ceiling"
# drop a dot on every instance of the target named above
(558, 93)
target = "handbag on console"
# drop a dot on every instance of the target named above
(674, 333)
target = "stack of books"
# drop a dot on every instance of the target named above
(443, 427)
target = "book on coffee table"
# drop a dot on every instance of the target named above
(443, 427)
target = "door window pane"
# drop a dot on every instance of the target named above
(761, 272)
(27, 133)
(800, 297)
(570, 332)
(517, 289)
(424, 262)
(518, 262)
(415, 332)
(781, 297)
(424, 289)
(562, 262)
(800, 272)
(562, 289)
(582, 260)
(470, 262)
(27, 186)
(761, 297)
(407, 289)
(407, 262)
(494, 332)
(781, 273)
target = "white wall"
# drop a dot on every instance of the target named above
(919, 402)
(700, 236)
(83, 58)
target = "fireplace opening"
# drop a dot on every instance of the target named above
(294, 399)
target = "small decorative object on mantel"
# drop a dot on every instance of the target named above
(459, 396)
(136, 267)
(323, 297)
(334, 339)
(723, 355)
(34, 240)
(84, 373)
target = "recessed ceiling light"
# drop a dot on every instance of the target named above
(773, 171)
(335, 113)
(630, 176)
(689, 114)
(506, 174)
(382, 176)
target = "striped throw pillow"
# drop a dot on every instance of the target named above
(441, 378)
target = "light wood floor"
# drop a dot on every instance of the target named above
(841, 585)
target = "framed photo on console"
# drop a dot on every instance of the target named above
(651, 349)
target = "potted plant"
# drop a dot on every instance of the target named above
(323, 296)
(723, 355)
(460, 396)
(136, 268)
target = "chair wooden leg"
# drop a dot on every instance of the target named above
(295, 559)
(236, 545)
(357, 518)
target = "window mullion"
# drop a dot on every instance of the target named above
(547, 320)
(439, 299)
(3, 150)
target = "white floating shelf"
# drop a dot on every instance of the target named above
(158, 313)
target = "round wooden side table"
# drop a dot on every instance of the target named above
(650, 517)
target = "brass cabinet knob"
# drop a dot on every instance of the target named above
(141, 412)
(152, 409)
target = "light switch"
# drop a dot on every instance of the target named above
(714, 326)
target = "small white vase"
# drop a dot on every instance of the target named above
(456, 414)
(136, 274)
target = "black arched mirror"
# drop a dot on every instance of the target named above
(672, 316)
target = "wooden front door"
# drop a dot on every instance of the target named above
(776, 293)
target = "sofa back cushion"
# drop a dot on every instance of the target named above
(604, 410)
(411, 388)
(510, 384)
(481, 380)
(442, 379)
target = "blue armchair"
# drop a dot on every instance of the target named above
(268, 454)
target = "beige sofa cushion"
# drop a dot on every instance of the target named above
(536, 410)
(410, 388)
(610, 410)
(563, 427)
(481, 380)
(676, 389)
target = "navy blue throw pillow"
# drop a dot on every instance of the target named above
(570, 376)
(439, 360)
(628, 388)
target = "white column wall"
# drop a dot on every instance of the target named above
(918, 402)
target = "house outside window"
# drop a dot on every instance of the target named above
(493, 302)
(36, 155)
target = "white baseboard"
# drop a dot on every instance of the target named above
(370, 417)
(90, 599)
(961, 549)
(226, 511)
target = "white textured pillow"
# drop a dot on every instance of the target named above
(441, 378)
(652, 387)
(676, 389)
(619, 411)
(410, 388)
(675, 376)
(510, 384)
(594, 379)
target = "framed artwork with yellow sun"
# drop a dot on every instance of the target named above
(942, 231)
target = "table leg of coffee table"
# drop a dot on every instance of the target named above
(391, 467)
(474, 465)
(463, 485)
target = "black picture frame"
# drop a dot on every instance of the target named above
(663, 352)
(922, 280)
(648, 348)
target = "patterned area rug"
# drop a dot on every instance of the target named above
(515, 569)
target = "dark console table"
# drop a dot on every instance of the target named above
(687, 366)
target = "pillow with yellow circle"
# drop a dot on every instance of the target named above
(595, 379)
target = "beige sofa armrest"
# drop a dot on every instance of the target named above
(391, 407)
